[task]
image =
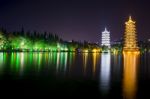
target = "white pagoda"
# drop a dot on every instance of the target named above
(105, 41)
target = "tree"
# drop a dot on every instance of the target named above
(22, 33)
(2, 40)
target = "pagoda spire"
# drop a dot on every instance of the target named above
(105, 29)
(130, 18)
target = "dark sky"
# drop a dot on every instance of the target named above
(76, 19)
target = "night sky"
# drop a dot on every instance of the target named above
(76, 19)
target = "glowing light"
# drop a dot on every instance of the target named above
(22, 43)
(1, 59)
(66, 49)
(85, 57)
(105, 72)
(130, 74)
(115, 51)
(131, 52)
(38, 59)
(130, 36)
(17, 61)
(1, 62)
(94, 50)
(86, 51)
(2, 40)
(21, 63)
(58, 61)
(65, 63)
(105, 38)
(61, 63)
(94, 63)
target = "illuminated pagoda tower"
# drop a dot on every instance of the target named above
(105, 38)
(130, 36)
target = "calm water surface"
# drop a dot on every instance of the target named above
(65, 74)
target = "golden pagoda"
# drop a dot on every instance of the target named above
(130, 36)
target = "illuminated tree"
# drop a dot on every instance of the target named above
(2, 40)
(130, 36)
(35, 41)
(39, 45)
(17, 42)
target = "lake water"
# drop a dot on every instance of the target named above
(70, 74)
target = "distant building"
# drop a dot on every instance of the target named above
(105, 41)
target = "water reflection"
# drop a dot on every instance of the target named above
(130, 75)
(1, 62)
(71, 59)
(66, 61)
(105, 72)
(24, 63)
(62, 61)
(116, 68)
(94, 63)
(21, 63)
(85, 59)
(58, 61)
(1, 59)
(14, 61)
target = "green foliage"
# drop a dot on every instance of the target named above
(34, 41)
(2, 40)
